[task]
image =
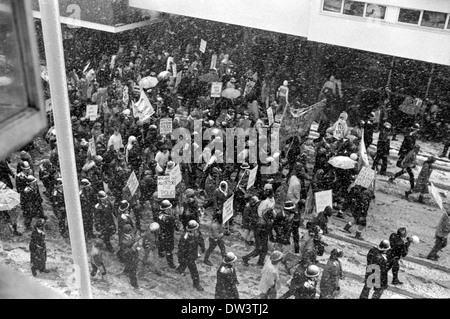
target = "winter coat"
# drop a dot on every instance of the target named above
(375, 257)
(168, 226)
(188, 246)
(410, 160)
(361, 206)
(226, 282)
(31, 200)
(399, 248)
(250, 216)
(104, 218)
(329, 283)
(38, 249)
(423, 178)
(282, 225)
(443, 228)
(407, 144)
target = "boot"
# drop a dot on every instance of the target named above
(358, 235)
(395, 281)
(391, 180)
(208, 262)
(420, 200)
(347, 227)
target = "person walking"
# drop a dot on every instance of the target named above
(360, 207)
(262, 230)
(249, 219)
(38, 249)
(227, 281)
(423, 179)
(399, 248)
(383, 147)
(104, 219)
(96, 257)
(307, 287)
(87, 200)
(168, 226)
(216, 238)
(377, 265)
(408, 144)
(441, 235)
(270, 279)
(31, 202)
(129, 254)
(408, 163)
(332, 274)
(188, 252)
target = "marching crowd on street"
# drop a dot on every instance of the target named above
(276, 215)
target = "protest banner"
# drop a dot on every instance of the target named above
(143, 109)
(365, 177)
(213, 61)
(178, 79)
(252, 177)
(166, 187)
(437, 197)
(340, 129)
(216, 89)
(92, 148)
(227, 211)
(92, 111)
(132, 183)
(248, 87)
(165, 126)
(175, 174)
(298, 122)
(323, 199)
(202, 46)
(270, 115)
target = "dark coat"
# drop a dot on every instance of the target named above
(168, 225)
(407, 144)
(31, 201)
(399, 248)
(38, 249)
(5, 173)
(188, 246)
(282, 226)
(375, 257)
(104, 219)
(226, 282)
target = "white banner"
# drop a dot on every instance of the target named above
(202, 45)
(166, 187)
(92, 112)
(132, 183)
(175, 174)
(365, 177)
(252, 177)
(143, 108)
(323, 199)
(437, 197)
(213, 61)
(165, 126)
(270, 115)
(227, 212)
(216, 89)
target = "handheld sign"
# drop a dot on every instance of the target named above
(227, 212)
(216, 89)
(437, 197)
(132, 183)
(165, 126)
(178, 79)
(175, 174)
(323, 199)
(270, 115)
(202, 45)
(92, 112)
(166, 187)
(365, 177)
(213, 61)
(252, 177)
(92, 149)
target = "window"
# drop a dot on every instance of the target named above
(332, 5)
(433, 19)
(409, 16)
(354, 8)
(375, 11)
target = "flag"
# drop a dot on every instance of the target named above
(143, 109)
(363, 160)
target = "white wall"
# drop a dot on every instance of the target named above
(304, 18)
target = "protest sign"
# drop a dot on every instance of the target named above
(92, 148)
(216, 89)
(165, 126)
(143, 109)
(169, 62)
(363, 159)
(252, 177)
(297, 123)
(213, 61)
(270, 115)
(323, 199)
(437, 197)
(178, 79)
(365, 177)
(249, 87)
(92, 111)
(340, 129)
(227, 211)
(132, 183)
(202, 45)
(175, 174)
(166, 187)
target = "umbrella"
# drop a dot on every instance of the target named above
(209, 78)
(148, 82)
(231, 93)
(343, 162)
(8, 199)
(164, 75)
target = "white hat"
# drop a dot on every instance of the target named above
(285, 83)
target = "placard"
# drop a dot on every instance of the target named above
(178, 79)
(270, 115)
(213, 61)
(365, 177)
(437, 197)
(216, 89)
(323, 199)
(252, 177)
(175, 174)
(165, 126)
(132, 183)
(166, 187)
(92, 149)
(227, 211)
(92, 111)
(202, 45)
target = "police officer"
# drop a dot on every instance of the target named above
(104, 219)
(123, 217)
(188, 252)
(399, 248)
(383, 147)
(332, 274)
(168, 226)
(377, 271)
(87, 200)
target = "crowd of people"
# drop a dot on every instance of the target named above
(118, 142)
